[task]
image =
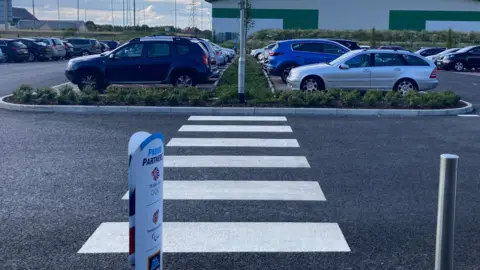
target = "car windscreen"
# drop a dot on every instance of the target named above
(41, 43)
(42, 40)
(343, 58)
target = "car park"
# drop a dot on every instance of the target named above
(37, 50)
(367, 69)
(56, 45)
(299, 52)
(434, 58)
(465, 58)
(148, 60)
(430, 51)
(14, 50)
(84, 46)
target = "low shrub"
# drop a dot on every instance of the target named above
(23, 94)
(44, 96)
(372, 97)
(349, 98)
(393, 98)
(66, 96)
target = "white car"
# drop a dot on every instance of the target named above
(434, 58)
(258, 53)
(367, 69)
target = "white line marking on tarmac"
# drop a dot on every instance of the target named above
(232, 142)
(238, 118)
(112, 237)
(468, 115)
(241, 190)
(237, 161)
(234, 128)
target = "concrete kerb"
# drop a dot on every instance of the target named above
(270, 84)
(232, 110)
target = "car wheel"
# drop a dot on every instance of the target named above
(55, 58)
(6, 60)
(286, 72)
(405, 85)
(258, 56)
(90, 80)
(85, 53)
(31, 57)
(311, 84)
(458, 66)
(183, 80)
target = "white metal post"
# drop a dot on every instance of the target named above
(5, 13)
(241, 61)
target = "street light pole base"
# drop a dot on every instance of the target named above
(241, 97)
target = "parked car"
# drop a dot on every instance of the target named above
(37, 50)
(220, 55)
(395, 48)
(2, 56)
(299, 52)
(258, 53)
(211, 54)
(367, 69)
(465, 58)
(352, 45)
(104, 47)
(68, 49)
(112, 44)
(434, 58)
(430, 51)
(56, 45)
(85, 46)
(147, 60)
(364, 47)
(14, 50)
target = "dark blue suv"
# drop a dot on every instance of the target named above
(299, 52)
(148, 60)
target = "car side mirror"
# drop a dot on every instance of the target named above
(344, 66)
(112, 56)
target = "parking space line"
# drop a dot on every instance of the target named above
(241, 190)
(180, 237)
(468, 115)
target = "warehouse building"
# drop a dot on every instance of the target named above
(460, 15)
(2, 13)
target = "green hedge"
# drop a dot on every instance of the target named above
(226, 96)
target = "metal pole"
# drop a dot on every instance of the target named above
(175, 26)
(446, 212)
(134, 14)
(33, 11)
(201, 15)
(241, 61)
(78, 10)
(113, 20)
(123, 14)
(5, 13)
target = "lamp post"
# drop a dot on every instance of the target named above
(241, 61)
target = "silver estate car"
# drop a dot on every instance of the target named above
(367, 69)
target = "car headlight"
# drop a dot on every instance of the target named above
(70, 65)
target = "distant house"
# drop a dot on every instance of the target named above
(22, 14)
(52, 25)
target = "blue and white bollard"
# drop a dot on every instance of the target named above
(145, 190)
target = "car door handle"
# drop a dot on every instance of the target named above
(366, 70)
(397, 69)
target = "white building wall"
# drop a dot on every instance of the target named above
(356, 14)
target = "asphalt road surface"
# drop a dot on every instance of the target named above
(354, 192)
(38, 74)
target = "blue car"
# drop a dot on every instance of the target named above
(299, 52)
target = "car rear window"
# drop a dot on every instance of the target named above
(57, 41)
(388, 60)
(414, 61)
(17, 44)
(158, 49)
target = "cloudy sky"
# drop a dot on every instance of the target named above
(151, 12)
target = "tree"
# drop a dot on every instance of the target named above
(449, 38)
(249, 22)
(373, 39)
(90, 26)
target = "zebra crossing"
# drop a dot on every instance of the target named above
(225, 237)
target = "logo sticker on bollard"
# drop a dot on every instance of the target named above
(155, 174)
(155, 217)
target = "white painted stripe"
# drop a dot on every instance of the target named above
(241, 190)
(232, 142)
(234, 128)
(112, 237)
(469, 115)
(237, 161)
(238, 118)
